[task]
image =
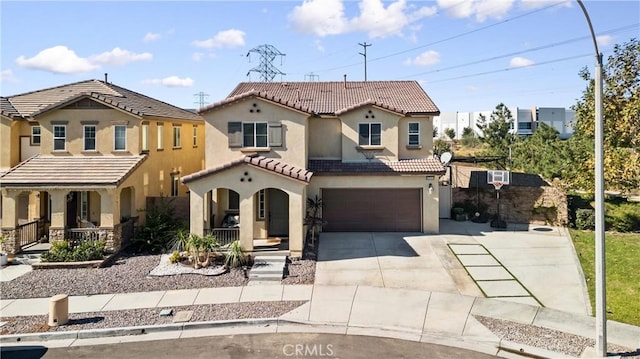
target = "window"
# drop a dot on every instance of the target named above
(84, 205)
(414, 133)
(524, 125)
(120, 138)
(89, 137)
(254, 134)
(145, 137)
(195, 135)
(177, 142)
(175, 182)
(160, 136)
(369, 134)
(234, 200)
(35, 136)
(261, 204)
(59, 137)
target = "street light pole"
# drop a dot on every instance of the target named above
(601, 290)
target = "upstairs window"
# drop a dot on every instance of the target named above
(195, 135)
(369, 134)
(89, 132)
(177, 140)
(35, 135)
(414, 133)
(160, 136)
(120, 138)
(254, 134)
(175, 183)
(59, 137)
(145, 137)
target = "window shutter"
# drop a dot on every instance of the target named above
(275, 135)
(234, 133)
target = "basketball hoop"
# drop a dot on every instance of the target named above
(497, 185)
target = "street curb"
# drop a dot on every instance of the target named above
(383, 332)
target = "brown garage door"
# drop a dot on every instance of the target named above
(372, 210)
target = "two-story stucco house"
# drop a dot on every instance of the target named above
(364, 148)
(83, 158)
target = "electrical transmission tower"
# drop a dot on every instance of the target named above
(311, 76)
(201, 96)
(365, 45)
(266, 69)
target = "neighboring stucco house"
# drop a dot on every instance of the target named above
(81, 159)
(364, 148)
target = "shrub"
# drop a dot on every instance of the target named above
(63, 251)
(235, 256)
(624, 217)
(585, 219)
(158, 234)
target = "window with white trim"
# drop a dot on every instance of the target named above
(35, 135)
(261, 205)
(195, 135)
(145, 137)
(89, 137)
(414, 133)
(175, 183)
(255, 134)
(59, 137)
(177, 133)
(120, 137)
(160, 135)
(369, 134)
(84, 205)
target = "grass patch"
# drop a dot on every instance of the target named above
(623, 272)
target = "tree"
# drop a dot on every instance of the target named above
(496, 132)
(440, 146)
(435, 131)
(621, 113)
(469, 138)
(450, 132)
(542, 153)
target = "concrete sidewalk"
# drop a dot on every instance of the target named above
(441, 318)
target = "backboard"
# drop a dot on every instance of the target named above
(500, 176)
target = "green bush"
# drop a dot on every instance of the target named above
(235, 256)
(623, 217)
(63, 251)
(585, 219)
(159, 232)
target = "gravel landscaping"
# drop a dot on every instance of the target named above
(545, 338)
(151, 316)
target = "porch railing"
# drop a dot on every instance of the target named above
(78, 235)
(224, 236)
(28, 232)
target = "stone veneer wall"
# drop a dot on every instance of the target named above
(539, 205)
(11, 243)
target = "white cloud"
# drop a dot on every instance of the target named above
(7, 76)
(197, 56)
(57, 59)
(536, 4)
(327, 17)
(119, 57)
(481, 9)
(151, 36)
(426, 58)
(520, 62)
(604, 40)
(171, 81)
(229, 38)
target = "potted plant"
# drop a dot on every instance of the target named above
(4, 258)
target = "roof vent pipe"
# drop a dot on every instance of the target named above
(345, 80)
(106, 76)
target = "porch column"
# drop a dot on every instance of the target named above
(296, 220)
(109, 208)
(196, 206)
(247, 219)
(10, 221)
(58, 214)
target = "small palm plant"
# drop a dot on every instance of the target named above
(235, 256)
(201, 247)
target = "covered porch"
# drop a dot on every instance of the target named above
(256, 200)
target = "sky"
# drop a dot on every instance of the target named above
(468, 55)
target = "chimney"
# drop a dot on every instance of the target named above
(345, 80)
(106, 77)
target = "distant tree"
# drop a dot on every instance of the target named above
(621, 113)
(469, 138)
(441, 146)
(496, 131)
(435, 131)
(542, 153)
(450, 132)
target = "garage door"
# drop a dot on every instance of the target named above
(372, 210)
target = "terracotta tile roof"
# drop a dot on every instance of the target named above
(34, 103)
(270, 164)
(422, 166)
(70, 171)
(333, 98)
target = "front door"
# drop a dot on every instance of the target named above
(72, 209)
(278, 213)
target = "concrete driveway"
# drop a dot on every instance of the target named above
(392, 260)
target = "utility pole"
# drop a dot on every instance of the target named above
(201, 96)
(311, 76)
(364, 46)
(266, 69)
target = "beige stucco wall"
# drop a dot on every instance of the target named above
(430, 208)
(10, 133)
(389, 133)
(294, 149)
(325, 138)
